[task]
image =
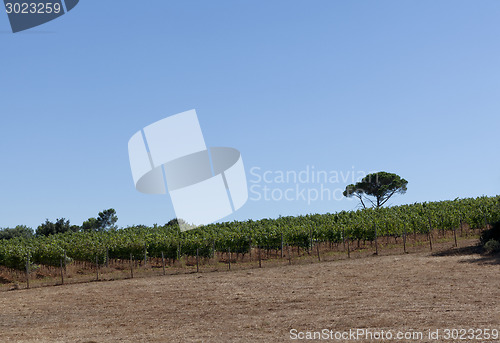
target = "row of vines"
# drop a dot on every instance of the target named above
(240, 237)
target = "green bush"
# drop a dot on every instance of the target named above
(492, 246)
(491, 234)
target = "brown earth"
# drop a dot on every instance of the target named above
(418, 292)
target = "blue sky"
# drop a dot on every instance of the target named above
(410, 87)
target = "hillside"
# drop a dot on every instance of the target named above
(398, 292)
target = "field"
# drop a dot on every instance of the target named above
(417, 291)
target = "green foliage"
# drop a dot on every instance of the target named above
(382, 186)
(298, 231)
(13, 253)
(492, 246)
(60, 226)
(90, 225)
(21, 231)
(491, 234)
(105, 221)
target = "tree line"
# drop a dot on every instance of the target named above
(104, 221)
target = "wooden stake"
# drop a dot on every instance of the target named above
(131, 266)
(260, 259)
(429, 234)
(309, 249)
(65, 258)
(97, 267)
(455, 236)
(317, 248)
(404, 238)
(163, 262)
(28, 270)
(282, 245)
(62, 273)
(250, 247)
(197, 260)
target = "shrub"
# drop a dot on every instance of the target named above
(492, 246)
(491, 234)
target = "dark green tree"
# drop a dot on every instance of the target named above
(19, 231)
(61, 225)
(90, 225)
(176, 222)
(381, 186)
(105, 221)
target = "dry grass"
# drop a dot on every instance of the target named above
(399, 292)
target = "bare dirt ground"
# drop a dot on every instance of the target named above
(418, 292)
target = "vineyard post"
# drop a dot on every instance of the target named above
(229, 257)
(163, 262)
(387, 231)
(260, 259)
(62, 272)
(131, 266)
(65, 261)
(376, 240)
(442, 224)
(461, 227)
(455, 236)
(282, 245)
(317, 248)
(429, 235)
(145, 255)
(348, 249)
(289, 255)
(97, 267)
(28, 270)
(343, 237)
(309, 249)
(250, 247)
(414, 234)
(404, 237)
(197, 260)
(107, 257)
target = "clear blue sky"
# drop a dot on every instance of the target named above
(411, 87)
